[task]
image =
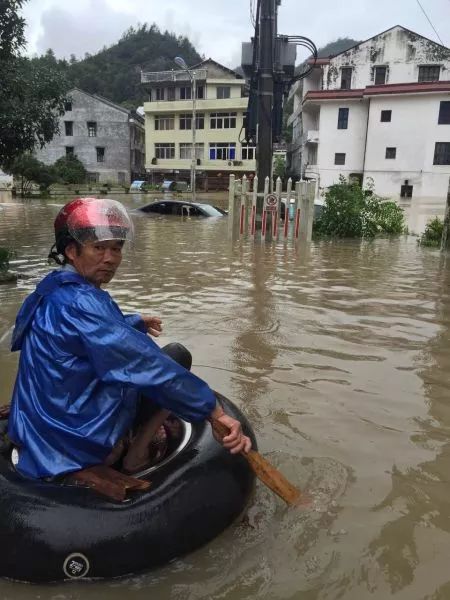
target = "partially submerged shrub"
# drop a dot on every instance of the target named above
(353, 211)
(433, 233)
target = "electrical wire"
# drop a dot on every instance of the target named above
(429, 21)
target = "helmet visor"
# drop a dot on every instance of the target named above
(100, 220)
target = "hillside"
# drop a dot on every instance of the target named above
(114, 72)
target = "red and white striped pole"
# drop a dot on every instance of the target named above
(253, 209)
(288, 208)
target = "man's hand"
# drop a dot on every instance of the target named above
(235, 441)
(153, 325)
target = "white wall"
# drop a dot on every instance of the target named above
(351, 141)
(413, 131)
(399, 49)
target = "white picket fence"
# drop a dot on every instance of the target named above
(259, 214)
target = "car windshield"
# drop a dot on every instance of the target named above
(210, 210)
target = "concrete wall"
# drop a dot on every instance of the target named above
(113, 134)
(402, 51)
(350, 141)
(414, 140)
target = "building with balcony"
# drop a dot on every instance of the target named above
(220, 106)
(379, 110)
(108, 139)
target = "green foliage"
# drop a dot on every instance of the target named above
(115, 72)
(31, 91)
(351, 211)
(69, 169)
(28, 170)
(279, 168)
(433, 233)
(336, 47)
(5, 255)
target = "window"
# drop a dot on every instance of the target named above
(391, 152)
(171, 93)
(200, 92)
(223, 120)
(346, 78)
(92, 129)
(223, 91)
(406, 190)
(186, 93)
(380, 75)
(69, 151)
(100, 154)
(386, 116)
(342, 118)
(68, 105)
(339, 158)
(429, 73)
(441, 153)
(164, 122)
(444, 113)
(165, 150)
(186, 151)
(186, 121)
(92, 177)
(68, 125)
(222, 151)
(160, 94)
(248, 152)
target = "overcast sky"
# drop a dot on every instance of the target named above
(217, 27)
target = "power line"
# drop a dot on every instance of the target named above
(429, 21)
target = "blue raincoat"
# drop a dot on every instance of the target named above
(83, 366)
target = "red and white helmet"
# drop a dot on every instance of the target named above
(92, 220)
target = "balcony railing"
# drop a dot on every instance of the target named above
(171, 76)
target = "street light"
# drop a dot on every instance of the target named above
(182, 64)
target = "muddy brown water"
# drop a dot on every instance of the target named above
(340, 356)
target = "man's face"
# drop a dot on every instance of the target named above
(96, 261)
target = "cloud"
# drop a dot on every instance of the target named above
(216, 27)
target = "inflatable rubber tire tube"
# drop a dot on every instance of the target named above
(51, 532)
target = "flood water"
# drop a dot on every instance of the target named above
(339, 354)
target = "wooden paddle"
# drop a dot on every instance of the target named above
(270, 476)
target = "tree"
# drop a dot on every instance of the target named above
(69, 169)
(32, 92)
(279, 168)
(30, 170)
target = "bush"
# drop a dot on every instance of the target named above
(433, 233)
(69, 169)
(353, 211)
(5, 255)
(30, 170)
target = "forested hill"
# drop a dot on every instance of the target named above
(114, 72)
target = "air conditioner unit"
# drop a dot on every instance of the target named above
(199, 162)
(154, 160)
(230, 163)
(236, 163)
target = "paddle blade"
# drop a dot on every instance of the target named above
(272, 478)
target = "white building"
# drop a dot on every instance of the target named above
(379, 110)
(6, 181)
(220, 104)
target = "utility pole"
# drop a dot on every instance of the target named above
(268, 33)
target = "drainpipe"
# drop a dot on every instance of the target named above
(365, 142)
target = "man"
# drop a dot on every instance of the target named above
(84, 366)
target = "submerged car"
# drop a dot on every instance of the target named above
(183, 209)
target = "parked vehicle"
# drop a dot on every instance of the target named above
(174, 186)
(137, 186)
(184, 209)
